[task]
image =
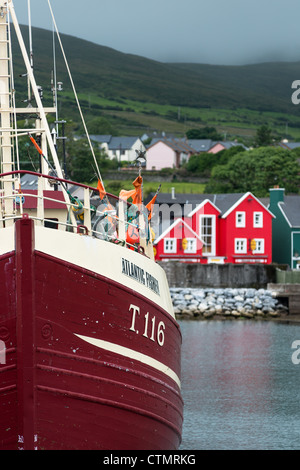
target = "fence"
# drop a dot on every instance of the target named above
(288, 277)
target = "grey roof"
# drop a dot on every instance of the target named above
(289, 145)
(222, 201)
(265, 201)
(291, 208)
(124, 143)
(116, 142)
(166, 198)
(225, 201)
(179, 145)
(294, 145)
(101, 139)
(200, 145)
(230, 144)
(204, 145)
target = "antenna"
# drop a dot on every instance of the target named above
(54, 78)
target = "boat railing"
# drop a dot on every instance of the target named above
(52, 204)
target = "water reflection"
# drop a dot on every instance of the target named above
(240, 387)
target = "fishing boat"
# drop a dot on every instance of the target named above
(89, 344)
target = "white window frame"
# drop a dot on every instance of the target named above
(240, 245)
(260, 246)
(203, 235)
(240, 223)
(192, 245)
(258, 223)
(173, 243)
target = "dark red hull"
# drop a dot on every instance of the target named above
(84, 368)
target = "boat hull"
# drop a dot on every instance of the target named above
(90, 363)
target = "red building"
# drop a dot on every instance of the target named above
(180, 242)
(225, 228)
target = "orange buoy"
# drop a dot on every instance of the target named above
(132, 235)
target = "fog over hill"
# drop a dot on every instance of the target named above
(112, 74)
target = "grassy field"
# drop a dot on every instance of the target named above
(114, 187)
(135, 118)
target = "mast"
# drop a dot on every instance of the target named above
(6, 109)
(5, 105)
(34, 88)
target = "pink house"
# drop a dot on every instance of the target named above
(217, 147)
(165, 153)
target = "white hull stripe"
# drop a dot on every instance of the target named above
(132, 354)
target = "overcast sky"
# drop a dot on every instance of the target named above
(221, 32)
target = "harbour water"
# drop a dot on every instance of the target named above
(240, 385)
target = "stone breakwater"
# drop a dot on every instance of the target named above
(229, 303)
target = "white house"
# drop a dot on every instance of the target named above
(121, 148)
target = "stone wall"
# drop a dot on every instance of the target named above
(218, 275)
(229, 303)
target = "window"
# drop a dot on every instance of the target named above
(191, 245)
(240, 219)
(170, 245)
(240, 245)
(257, 219)
(51, 223)
(207, 234)
(260, 245)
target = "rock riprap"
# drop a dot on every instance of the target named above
(225, 303)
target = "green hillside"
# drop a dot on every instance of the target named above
(136, 94)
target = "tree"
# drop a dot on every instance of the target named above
(257, 171)
(28, 155)
(263, 136)
(100, 125)
(204, 133)
(204, 162)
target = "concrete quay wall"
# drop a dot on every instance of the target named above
(219, 275)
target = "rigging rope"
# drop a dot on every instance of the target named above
(74, 90)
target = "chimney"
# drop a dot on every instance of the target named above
(276, 195)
